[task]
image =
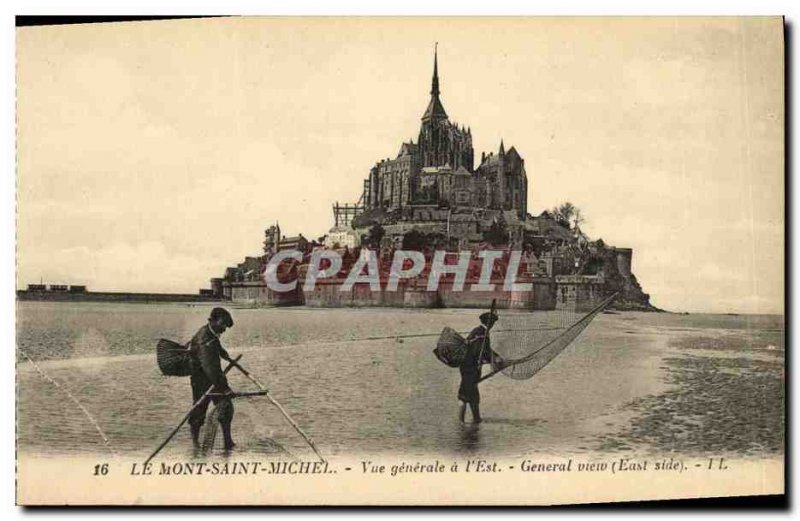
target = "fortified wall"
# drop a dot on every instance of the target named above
(574, 292)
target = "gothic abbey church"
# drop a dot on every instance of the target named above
(435, 179)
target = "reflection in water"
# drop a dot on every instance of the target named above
(470, 437)
(517, 422)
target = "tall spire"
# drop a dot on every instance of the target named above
(502, 148)
(435, 82)
(435, 109)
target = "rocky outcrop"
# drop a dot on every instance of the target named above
(632, 297)
(614, 265)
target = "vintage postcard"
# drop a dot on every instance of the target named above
(400, 261)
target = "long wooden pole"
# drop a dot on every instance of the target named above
(246, 394)
(486, 336)
(280, 408)
(230, 366)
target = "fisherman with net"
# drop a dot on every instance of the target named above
(200, 359)
(205, 352)
(526, 343)
(478, 352)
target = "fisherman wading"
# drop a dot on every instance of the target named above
(200, 359)
(205, 352)
(478, 352)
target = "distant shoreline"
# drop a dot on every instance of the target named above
(189, 298)
(112, 296)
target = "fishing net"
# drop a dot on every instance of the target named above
(527, 342)
(250, 418)
(211, 428)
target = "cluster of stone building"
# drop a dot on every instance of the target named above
(432, 187)
(438, 171)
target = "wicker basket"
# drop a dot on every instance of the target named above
(173, 358)
(451, 348)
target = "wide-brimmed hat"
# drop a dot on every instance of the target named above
(222, 313)
(489, 316)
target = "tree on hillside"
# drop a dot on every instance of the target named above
(415, 240)
(497, 234)
(567, 215)
(374, 237)
(578, 219)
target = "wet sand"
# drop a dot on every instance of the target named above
(726, 395)
(631, 383)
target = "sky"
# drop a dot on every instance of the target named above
(151, 155)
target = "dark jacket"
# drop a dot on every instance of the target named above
(206, 350)
(477, 352)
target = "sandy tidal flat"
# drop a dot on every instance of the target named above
(632, 383)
